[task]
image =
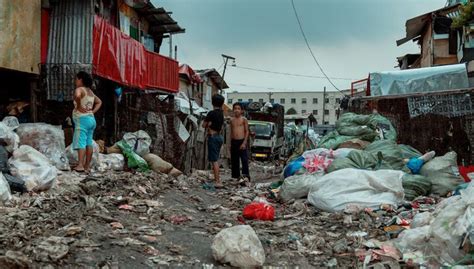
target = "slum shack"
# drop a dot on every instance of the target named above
(431, 108)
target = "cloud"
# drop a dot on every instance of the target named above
(349, 37)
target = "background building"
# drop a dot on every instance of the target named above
(303, 102)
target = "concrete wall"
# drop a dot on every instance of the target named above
(20, 28)
(298, 105)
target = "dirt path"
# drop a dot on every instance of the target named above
(124, 220)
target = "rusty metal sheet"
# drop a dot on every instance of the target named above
(20, 27)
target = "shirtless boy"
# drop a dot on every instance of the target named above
(238, 146)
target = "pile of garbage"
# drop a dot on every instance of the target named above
(33, 154)
(360, 167)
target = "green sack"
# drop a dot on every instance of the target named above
(133, 160)
(392, 154)
(333, 139)
(355, 159)
(415, 185)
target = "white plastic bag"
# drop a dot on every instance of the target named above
(443, 172)
(71, 155)
(298, 186)
(139, 141)
(47, 139)
(421, 219)
(5, 194)
(10, 138)
(32, 167)
(346, 187)
(11, 121)
(113, 161)
(440, 241)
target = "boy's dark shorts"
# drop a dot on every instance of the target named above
(214, 144)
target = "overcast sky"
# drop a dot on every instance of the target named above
(350, 38)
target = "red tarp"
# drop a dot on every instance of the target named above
(44, 34)
(118, 57)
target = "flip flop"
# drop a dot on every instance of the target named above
(79, 170)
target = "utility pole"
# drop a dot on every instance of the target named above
(171, 46)
(270, 97)
(226, 59)
(324, 103)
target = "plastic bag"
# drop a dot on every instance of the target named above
(113, 162)
(441, 240)
(157, 164)
(11, 122)
(47, 139)
(259, 211)
(73, 159)
(133, 159)
(334, 191)
(138, 141)
(9, 137)
(5, 194)
(416, 185)
(32, 167)
(293, 167)
(421, 219)
(3, 160)
(296, 187)
(443, 172)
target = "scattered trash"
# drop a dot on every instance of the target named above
(113, 162)
(53, 249)
(178, 219)
(239, 246)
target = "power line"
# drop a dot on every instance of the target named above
(309, 47)
(287, 74)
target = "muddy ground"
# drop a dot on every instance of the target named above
(133, 220)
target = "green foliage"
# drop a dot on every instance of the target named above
(466, 15)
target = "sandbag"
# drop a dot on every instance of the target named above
(296, 187)
(138, 141)
(354, 144)
(47, 139)
(111, 162)
(72, 157)
(32, 167)
(133, 159)
(415, 185)
(443, 172)
(337, 190)
(157, 164)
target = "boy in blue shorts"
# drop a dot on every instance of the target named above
(213, 123)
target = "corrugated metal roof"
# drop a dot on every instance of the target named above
(70, 39)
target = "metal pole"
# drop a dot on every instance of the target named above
(223, 72)
(176, 52)
(171, 46)
(324, 103)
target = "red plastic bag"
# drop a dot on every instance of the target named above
(465, 170)
(259, 211)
